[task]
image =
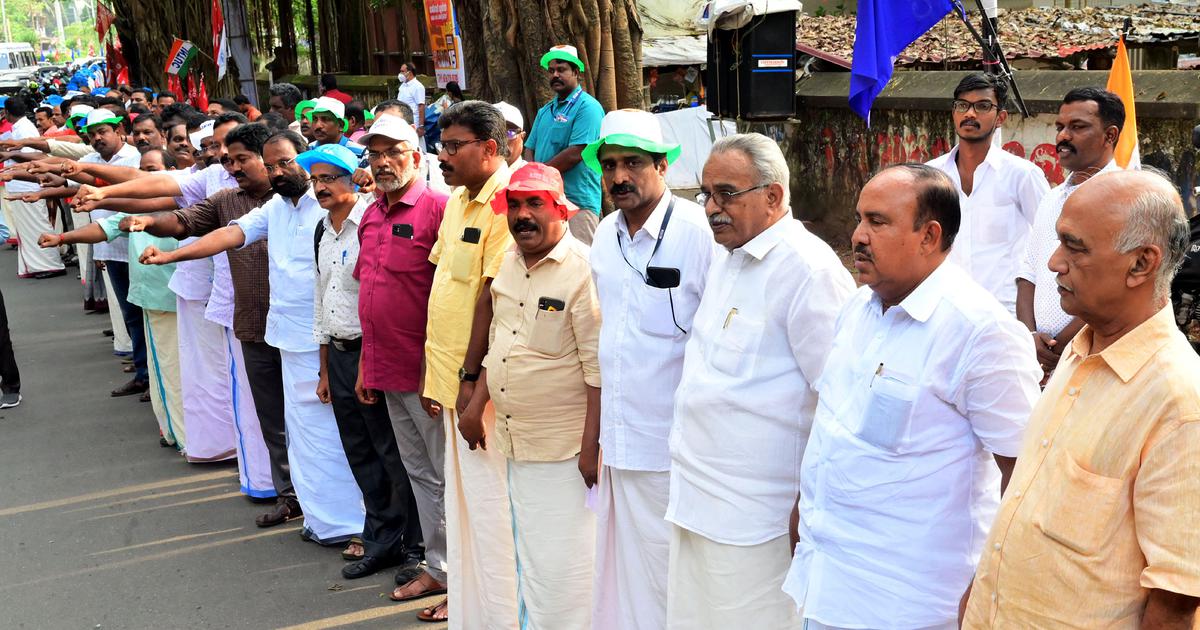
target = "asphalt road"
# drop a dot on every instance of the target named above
(100, 528)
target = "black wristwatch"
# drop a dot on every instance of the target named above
(464, 377)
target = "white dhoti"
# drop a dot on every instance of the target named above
(555, 536)
(481, 558)
(810, 624)
(633, 544)
(29, 221)
(122, 344)
(714, 586)
(204, 381)
(332, 503)
(162, 361)
(254, 462)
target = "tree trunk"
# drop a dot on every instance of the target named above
(504, 40)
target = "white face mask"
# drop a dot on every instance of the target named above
(403, 78)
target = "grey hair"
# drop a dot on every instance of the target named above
(766, 156)
(1157, 218)
(289, 93)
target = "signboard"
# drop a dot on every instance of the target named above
(444, 39)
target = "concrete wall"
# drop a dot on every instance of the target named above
(832, 153)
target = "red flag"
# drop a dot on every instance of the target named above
(197, 93)
(175, 87)
(118, 67)
(104, 20)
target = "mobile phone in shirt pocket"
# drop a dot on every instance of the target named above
(656, 319)
(548, 334)
(886, 421)
(736, 344)
(1082, 510)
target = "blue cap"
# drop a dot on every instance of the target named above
(334, 154)
(54, 100)
(3, 100)
(100, 91)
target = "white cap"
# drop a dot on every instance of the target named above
(204, 132)
(634, 122)
(80, 110)
(391, 127)
(511, 114)
(331, 105)
(100, 115)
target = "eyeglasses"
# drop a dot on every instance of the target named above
(980, 107)
(451, 147)
(271, 168)
(723, 197)
(325, 180)
(391, 154)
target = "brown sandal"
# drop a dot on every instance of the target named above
(436, 589)
(427, 615)
(353, 557)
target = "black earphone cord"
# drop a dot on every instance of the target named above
(662, 230)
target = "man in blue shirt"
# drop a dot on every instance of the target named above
(563, 127)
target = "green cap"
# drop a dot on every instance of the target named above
(634, 128)
(303, 105)
(563, 53)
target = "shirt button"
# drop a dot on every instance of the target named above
(521, 304)
(996, 546)
(1072, 391)
(508, 417)
(501, 389)
(526, 275)
(514, 332)
(1018, 494)
(1045, 443)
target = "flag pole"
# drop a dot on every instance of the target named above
(996, 51)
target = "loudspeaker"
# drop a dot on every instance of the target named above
(751, 71)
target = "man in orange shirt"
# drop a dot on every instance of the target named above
(1097, 528)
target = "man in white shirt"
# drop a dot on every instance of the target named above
(391, 533)
(998, 192)
(653, 232)
(516, 134)
(929, 381)
(745, 403)
(1089, 123)
(412, 93)
(29, 219)
(325, 487)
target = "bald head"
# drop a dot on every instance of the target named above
(1122, 237)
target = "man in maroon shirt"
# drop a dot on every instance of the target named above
(395, 276)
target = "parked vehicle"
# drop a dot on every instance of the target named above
(18, 66)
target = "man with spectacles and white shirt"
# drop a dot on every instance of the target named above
(998, 192)
(929, 381)
(745, 403)
(649, 260)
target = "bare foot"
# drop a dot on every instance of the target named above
(355, 549)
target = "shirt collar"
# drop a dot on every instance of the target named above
(654, 221)
(761, 245)
(924, 299)
(414, 192)
(355, 216)
(557, 254)
(1127, 355)
(498, 179)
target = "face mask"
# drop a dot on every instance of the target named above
(403, 79)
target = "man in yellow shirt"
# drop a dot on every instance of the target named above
(543, 374)
(470, 246)
(1097, 528)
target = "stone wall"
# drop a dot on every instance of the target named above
(832, 153)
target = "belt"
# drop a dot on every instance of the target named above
(346, 345)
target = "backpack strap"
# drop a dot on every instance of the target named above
(317, 234)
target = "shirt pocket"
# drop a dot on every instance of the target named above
(735, 346)
(995, 224)
(887, 419)
(1082, 508)
(548, 333)
(464, 262)
(656, 318)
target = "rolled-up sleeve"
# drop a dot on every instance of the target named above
(1166, 508)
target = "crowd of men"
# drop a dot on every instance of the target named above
(681, 415)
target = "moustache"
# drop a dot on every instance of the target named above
(969, 123)
(719, 219)
(864, 251)
(446, 168)
(524, 224)
(324, 194)
(384, 172)
(238, 174)
(622, 189)
(1065, 145)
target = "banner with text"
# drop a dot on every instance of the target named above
(444, 40)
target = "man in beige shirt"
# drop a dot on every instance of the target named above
(543, 377)
(1097, 528)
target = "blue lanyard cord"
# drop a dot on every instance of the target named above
(561, 115)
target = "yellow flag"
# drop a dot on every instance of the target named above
(1120, 82)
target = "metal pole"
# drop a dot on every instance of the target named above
(990, 28)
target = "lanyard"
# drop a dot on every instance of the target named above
(561, 115)
(662, 231)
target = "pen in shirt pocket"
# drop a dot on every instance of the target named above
(728, 318)
(878, 373)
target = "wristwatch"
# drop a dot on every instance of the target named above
(464, 377)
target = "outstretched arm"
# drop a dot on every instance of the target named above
(140, 188)
(224, 239)
(90, 233)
